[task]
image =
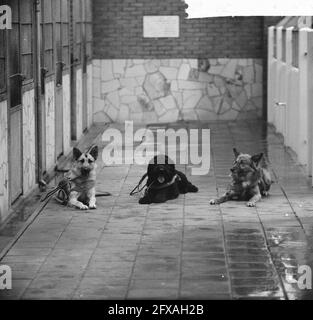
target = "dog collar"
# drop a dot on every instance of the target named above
(165, 185)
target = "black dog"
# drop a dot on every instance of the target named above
(164, 181)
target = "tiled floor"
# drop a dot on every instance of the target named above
(182, 249)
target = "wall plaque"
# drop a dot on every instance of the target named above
(161, 26)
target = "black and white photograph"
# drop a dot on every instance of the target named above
(156, 150)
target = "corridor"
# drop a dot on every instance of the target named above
(182, 249)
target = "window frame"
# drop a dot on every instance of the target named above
(65, 37)
(88, 30)
(4, 85)
(31, 52)
(47, 49)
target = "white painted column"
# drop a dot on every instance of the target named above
(278, 91)
(310, 99)
(79, 103)
(271, 66)
(50, 124)
(29, 141)
(4, 168)
(305, 97)
(89, 94)
(66, 113)
(290, 120)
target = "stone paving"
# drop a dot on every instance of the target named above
(182, 249)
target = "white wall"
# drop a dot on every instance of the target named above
(290, 93)
(66, 85)
(4, 170)
(89, 94)
(79, 103)
(50, 124)
(29, 141)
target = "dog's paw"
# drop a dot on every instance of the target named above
(213, 201)
(251, 204)
(193, 188)
(92, 206)
(81, 206)
(144, 201)
(265, 194)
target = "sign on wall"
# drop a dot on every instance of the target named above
(161, 26)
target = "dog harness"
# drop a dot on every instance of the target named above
(165, 185)
(137, 189)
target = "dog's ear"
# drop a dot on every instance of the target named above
(172, 166)
(76, 153)
(236, 152)
(151, 165)
(94, 152)
(257, 158)
(150, 168)
(170, 163)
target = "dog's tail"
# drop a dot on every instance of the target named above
(103, 194)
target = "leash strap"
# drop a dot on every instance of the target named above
(61, 188)
(136, 189)
(62, 197)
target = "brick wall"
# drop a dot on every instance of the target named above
(118, 33)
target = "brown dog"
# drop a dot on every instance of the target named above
(83, 179)
(250, 180)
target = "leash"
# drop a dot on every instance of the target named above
(137, 189)
(134, 191)
(63, 190)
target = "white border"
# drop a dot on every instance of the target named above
(218, 8)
